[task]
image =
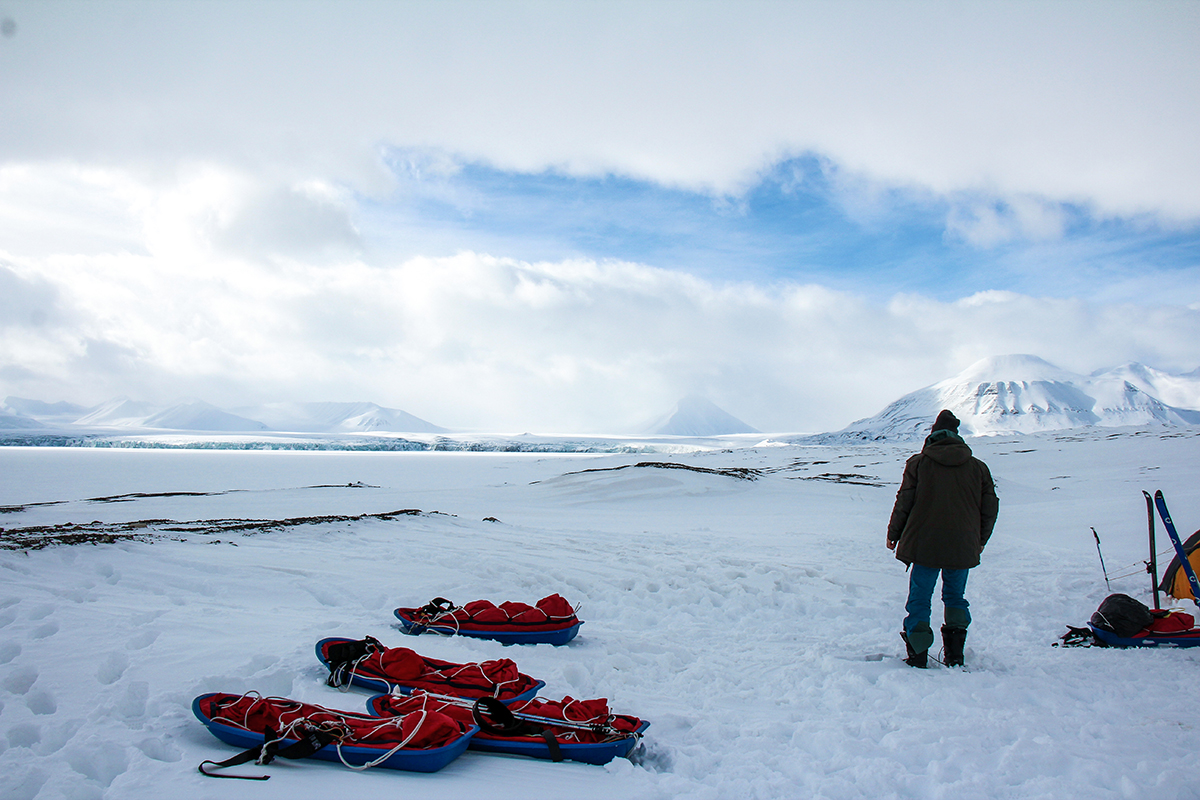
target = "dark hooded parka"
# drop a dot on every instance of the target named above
(946, 507)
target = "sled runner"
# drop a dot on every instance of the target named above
(551, 621)
(416, 738)
(579, 730)
(368, 664)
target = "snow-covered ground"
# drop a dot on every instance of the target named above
(753, 622)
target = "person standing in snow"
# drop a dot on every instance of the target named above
(943, 517)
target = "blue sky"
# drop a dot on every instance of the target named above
(533, 215)
(797, 223)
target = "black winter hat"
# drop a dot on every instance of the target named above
(945, 421)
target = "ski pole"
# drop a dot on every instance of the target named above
(1102, 568)
(583, 725)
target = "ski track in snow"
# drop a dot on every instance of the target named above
(753, 623)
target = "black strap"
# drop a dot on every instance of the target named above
(436, 606)
(1079, 637)
(555, 751)
(240, 758)
(313, 739)
(341, 654)
(504, 723)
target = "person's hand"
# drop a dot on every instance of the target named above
(891, 545)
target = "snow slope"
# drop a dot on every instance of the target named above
(200, 416)
(1025, 394)
(11, 419)
(120, 411)
(749, 610)
(1181, 391)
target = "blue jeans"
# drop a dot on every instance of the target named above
(919, 607)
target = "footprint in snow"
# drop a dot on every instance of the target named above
(131, 705)
(41, 702)
(45, 631)
(576, 676)
(41, 612)
(110, 575)
(20, 680)
(142, 640)
(24, 734)
(100, 761)
(111, 668)
(160, 750)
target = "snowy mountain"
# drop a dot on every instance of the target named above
(45, 412)
(120, 411)
(12, 419)
(1025, 394)
(1181, 391)
(337, 417)
(696, 416)
(200, 416)
(197, 415)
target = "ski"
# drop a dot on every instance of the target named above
(1183, 559)
(1152, 564)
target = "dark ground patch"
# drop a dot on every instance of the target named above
(36, 537)
(840, 477)
(741, 473)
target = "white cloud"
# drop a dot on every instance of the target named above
(1090, 104)
(65, 207)
(987, 223)
(485, 342)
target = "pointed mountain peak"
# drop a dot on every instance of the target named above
(1017, 368)
(695, 415)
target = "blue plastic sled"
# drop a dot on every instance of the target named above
(1182, 639)
(411, 760)
(503, 634)
(368, 676)
(534, 746)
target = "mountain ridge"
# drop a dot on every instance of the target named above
(197, 415)
(1006, 394)
(1025, 394)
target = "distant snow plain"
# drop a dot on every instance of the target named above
(751, 617)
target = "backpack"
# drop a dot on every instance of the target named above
(1122, 615)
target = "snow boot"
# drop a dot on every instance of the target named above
(917, 643)
(954, 639)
